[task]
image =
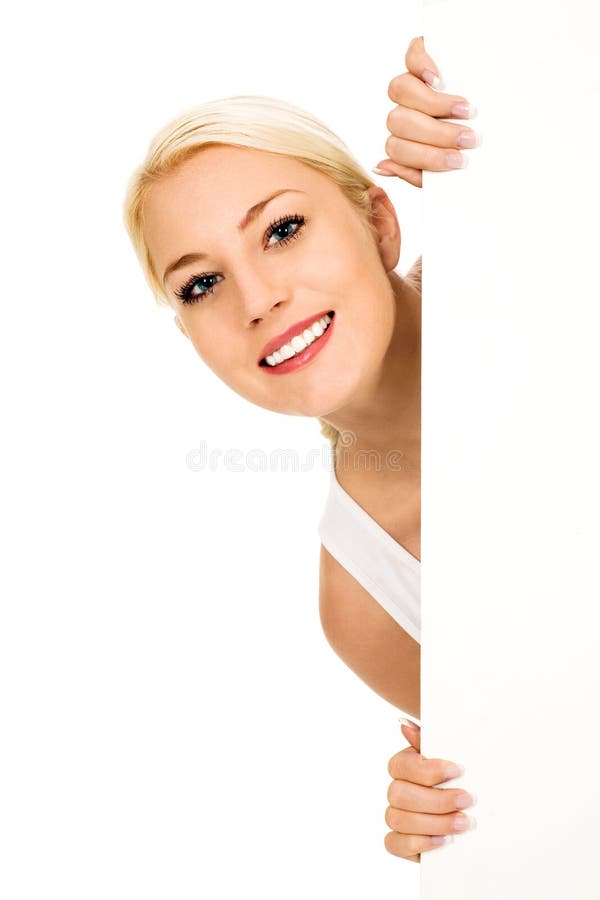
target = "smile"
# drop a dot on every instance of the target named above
(301, 348)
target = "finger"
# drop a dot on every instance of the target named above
(417, 126)
(420, 63)
(408, 765)
(417, 798)
(422, 823)
(388, 167)
(408, 846)
(408, 90)
(424, 156)
(412, 733)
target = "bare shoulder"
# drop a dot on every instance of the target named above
(367, 638)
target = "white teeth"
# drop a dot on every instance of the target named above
(299, 342)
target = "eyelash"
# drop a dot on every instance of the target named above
(184, 292)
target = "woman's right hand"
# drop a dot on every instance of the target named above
(417, 809)
(418, 139)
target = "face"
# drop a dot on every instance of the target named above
(238, 282)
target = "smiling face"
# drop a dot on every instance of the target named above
(237, 281)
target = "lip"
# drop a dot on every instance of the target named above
(285, 336)
(306, 356)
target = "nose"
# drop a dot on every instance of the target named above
(257, 319)
(259, 295)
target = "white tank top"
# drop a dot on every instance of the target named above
(379, 563)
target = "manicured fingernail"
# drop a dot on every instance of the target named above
(453, 771)
(463, 823)
(380, 171)
(465, 800)
(408, 723)
(457, 161)
(463, 111)
(438, 839)
(431, 78)
(469, 139)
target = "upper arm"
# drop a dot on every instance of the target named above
(367, 638)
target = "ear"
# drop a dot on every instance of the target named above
(180, 325)
(385, 227)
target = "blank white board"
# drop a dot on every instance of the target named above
(511, 452)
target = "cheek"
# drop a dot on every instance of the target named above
(223, 356)
(337, 260)
(210, 345)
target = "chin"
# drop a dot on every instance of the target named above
(305, 407)
(332, 388)
(326, 400)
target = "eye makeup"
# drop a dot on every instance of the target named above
(186, 294)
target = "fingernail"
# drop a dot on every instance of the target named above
(465, 800)
(438, 839)
(453, 771)
(463, 111)
(469, 139)
(380, 171)
(463, 823)
(408, 723)
(457, 161)
(431, 78)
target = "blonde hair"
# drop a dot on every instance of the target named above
(255, 122)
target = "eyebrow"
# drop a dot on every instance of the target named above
(250, 217)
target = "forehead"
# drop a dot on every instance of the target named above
(239, 170)
(210, 193)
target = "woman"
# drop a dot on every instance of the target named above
(277, 253)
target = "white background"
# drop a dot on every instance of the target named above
(174, 722)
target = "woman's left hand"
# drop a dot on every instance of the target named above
(418, 140)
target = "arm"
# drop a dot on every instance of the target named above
(386, 658)
(366, 637)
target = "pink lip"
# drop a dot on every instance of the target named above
(280, 339)
(306, 356)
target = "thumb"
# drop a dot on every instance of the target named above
(420, 63)
(412, 733)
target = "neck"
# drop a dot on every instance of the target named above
(385, 416)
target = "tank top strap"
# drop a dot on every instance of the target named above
(379, 563)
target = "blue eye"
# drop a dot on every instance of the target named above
(285, 229)
(185, 292)
(281, 229)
